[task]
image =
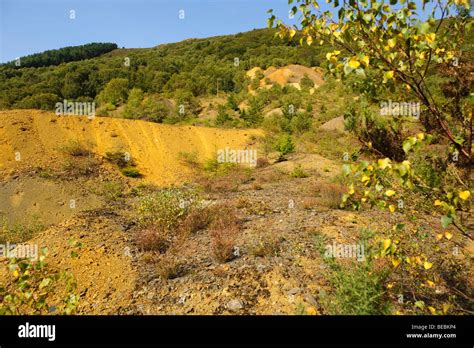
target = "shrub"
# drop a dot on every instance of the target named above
(80, 166)
(153, 238)
(76, 149)
(189, 158)
(121, 159)
(285, 146)
(112, 190)
(357, 288)
(196, 220)
(224, 230)
(298, 172)
(169, 266)
(131, 172)
(165, 208)
(267, 245)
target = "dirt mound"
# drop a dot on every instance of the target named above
(336, 124)
(31, 138)
(288, 75)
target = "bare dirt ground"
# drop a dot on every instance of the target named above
(95, 239)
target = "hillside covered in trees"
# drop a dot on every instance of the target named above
(184, 70)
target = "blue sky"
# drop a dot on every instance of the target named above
(31, 26)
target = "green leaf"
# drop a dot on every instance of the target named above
(45, 282)
(446, 221)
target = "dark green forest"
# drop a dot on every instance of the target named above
(64, 55)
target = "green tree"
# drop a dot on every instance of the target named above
(115, 92)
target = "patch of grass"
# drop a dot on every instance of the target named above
(80, 166)
(19, 232)
(189, 158)
(266, 245)
(131, 172)
(169, 266)
(224, 230)
(197, 219)
(226, 179)
(329, 194)
(121, 159)
(47, 173)
(298, 172)
(153, 238)
(76, 149)
(112, 191)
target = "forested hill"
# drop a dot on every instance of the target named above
(194, 67)
(63, 55)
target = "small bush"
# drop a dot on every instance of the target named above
(80, 166)
(267, 245)
(131, 172)
(357, 287)
(284, 146)
(169, 266)
(153, 238)
(298, 172)
(76, 149)
(189, 158)
(224, 230)
(196, 220)
(166, 207)
(121, 159)
(112, 191)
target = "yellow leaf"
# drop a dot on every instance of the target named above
(391, 43)
(391, 207)
(386, 244)
(430, 283)
(448, 235)
(384, 163)
(446, 307)
(395, 261)
(390, 285)
(438, 202)
(432, 310)
(430, 37)
(439, 236)
(370, 168)
(388, 75)
(389, 193)
(312, 311)
(420, 136)
(464, 195)
(351, 189)
(354, 63)
(365, 60)
(292, 33)
(16, 274)
(309, 40)
(427, 265)
(365, 178)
